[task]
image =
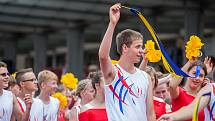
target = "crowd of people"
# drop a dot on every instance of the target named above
(116, 92)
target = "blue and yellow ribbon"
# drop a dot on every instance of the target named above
(167, 62)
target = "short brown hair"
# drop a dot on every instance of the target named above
(95, 77)
(126, 37)
(3, 64)
(20, 73)
(45, 75)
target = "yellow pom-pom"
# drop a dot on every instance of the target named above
(14, 74)
(114, 62)
(193, 47)
(69, 80)
(150, 45)
(63, 99)
(152, 54)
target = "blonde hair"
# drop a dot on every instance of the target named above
(81, 86)
(152, 73)
(46, 75)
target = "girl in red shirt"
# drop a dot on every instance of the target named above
(184, 96)
(86, 93)
(95, 110)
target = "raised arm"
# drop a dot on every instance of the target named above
(166, 79)
(104, 50)
(209, 64)
(174, 83)
(28, 103)
(186, 112)
(17, 111)
(73, 114)
(144, 62)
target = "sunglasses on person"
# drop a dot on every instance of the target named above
(5, 74)
(31, 80)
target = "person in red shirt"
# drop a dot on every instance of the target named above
(183, 96)
(207, 94)
(86, 93)
(159, 106)
(95, 110)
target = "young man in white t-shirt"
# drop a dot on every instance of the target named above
(50, 105)
(27, 81)
(9, 106)
(128, 90)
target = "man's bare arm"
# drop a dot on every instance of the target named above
(149, 103)
(104, 50)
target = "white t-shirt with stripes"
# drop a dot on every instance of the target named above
(125, 97)
(210, 109)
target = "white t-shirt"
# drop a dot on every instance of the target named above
(126, 96)
(6, 105)
(36, 107)
(210, 109)
(47, 112)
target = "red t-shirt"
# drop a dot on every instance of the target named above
(61, 115)
(185, 99)
(93, 115)
(159, 107)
